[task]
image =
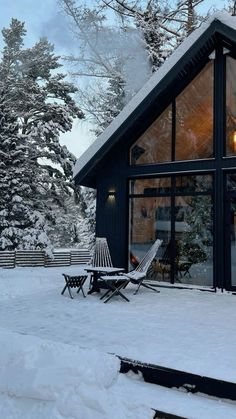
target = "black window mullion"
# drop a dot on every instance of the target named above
(173, 130)
(172, 261)
(219, 140)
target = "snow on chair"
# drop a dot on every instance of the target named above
(137, 276)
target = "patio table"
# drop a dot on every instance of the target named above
(97, 271)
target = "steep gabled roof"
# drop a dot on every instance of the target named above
(190, 49)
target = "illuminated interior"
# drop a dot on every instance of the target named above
(179, 208)
(230, 106)
(193, 119)
(174, 210)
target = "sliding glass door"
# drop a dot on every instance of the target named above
(177, 210)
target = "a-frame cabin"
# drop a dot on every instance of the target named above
(166, 166)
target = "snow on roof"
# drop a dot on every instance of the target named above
(223, 17)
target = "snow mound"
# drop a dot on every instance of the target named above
(55, 380)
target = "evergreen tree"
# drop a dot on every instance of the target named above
(65, 228)
(86, 225)
(21, 221)
(112, 103)
(108, 54)
(160, 27)
(156, 40)
(196, 241)
(232, 7)
(36, 171)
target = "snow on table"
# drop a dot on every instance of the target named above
(52, 347)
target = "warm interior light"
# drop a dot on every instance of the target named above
(234, 140)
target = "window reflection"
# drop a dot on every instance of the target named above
(194, 183)
(194, 118)
(149, 220)
(231, 182)
(162, 185)
(194, 240)
(154, 146)
(230, 106)
(182, 218)
(194, 126)
(150, 187)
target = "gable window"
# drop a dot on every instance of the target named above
(194, 118)
(184, 131)
(154, 146)
(230, 106)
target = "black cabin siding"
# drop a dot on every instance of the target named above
(112, 215)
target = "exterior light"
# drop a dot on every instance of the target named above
(111, 196)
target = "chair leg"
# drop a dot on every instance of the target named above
(116, 291)
(83, 292)
(69, 290)
(187, 273)
(151, 288)
(81, 288)
(64, 289)
(146, 286)
(91, 281)
(137, 290)
(105, 294)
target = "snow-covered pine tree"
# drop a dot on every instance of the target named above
(196, 241)
(22, 223)
(101, 27)
(163, 24)
(86, 225)
(109, 54)
(65, 228)
(36, 107)
(112, 102)
(231, 7)
(156, 39)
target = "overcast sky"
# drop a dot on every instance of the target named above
(44, 18)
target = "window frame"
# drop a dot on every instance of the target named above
(172, 103)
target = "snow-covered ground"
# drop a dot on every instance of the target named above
(57, 354)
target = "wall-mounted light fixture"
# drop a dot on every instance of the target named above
(111, 195)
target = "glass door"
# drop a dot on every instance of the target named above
(233, 241)
(231, 233)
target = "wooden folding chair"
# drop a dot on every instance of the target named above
(101, 256)
(74, 282)
(136, 276)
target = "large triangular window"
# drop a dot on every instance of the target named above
(230, 106)
(184, 131)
